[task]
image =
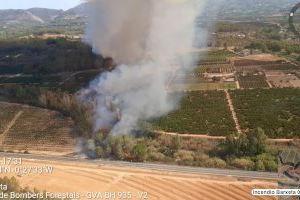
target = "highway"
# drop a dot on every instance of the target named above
(147, 166)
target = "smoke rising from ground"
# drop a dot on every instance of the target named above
(147, 38)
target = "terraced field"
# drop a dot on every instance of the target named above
(154, 184)
(35, 129)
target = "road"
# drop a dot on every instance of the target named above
(148, 166)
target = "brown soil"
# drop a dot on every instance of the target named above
(83, 178)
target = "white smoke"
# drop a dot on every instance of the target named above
(148, 38)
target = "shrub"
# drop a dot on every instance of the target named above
(176, 143)
(183, 155)
(268, 160)
(156, 156)
(199, 156)
(271, 166)
(100, 153)
(259, 166)
(215, 163)
(243, 163)
(122, 146)
(139, 152)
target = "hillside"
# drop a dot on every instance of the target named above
(45, 14)
(254, 10)
(39, 16)
(30, 128)
(19, 17)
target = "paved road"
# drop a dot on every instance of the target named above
(149, 166)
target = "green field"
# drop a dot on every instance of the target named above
(277, 111)
(199, 113)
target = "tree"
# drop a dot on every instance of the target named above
(235, 146)
(251, 144)
(257, 142)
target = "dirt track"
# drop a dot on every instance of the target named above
(84, 178)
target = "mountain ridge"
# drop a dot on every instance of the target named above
(39, 16)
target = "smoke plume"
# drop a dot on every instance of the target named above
(148, 39)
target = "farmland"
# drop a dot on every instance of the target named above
(157, 184)
(7, 113)
(200, 113)
(251, 80)
(35, 129)
(277, 111)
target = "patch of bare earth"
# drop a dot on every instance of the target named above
(262, 57)
(84, 178)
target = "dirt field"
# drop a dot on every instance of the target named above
(158, 185)
(263, 57)
(282, 80)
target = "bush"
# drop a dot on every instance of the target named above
(268, 160)
(100, 153)
(122, 146)
(271, 166)
(183, 155)
(215, 163)
(243, 163)
(139, 152)
(259, 166)
(156, 156)
(199, 156)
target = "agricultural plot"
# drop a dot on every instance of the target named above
(37, 129)
(217, 68)
(215, 57)
(203, 78)
(199, 113)
(7, 113)
(250, 62)
(204, 86)
(158, 185)
(277, 111)
(281, 67)
(250, 81)
(281, 79)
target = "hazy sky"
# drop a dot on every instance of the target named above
(23, 4)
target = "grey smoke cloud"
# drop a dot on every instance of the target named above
(147, 38)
